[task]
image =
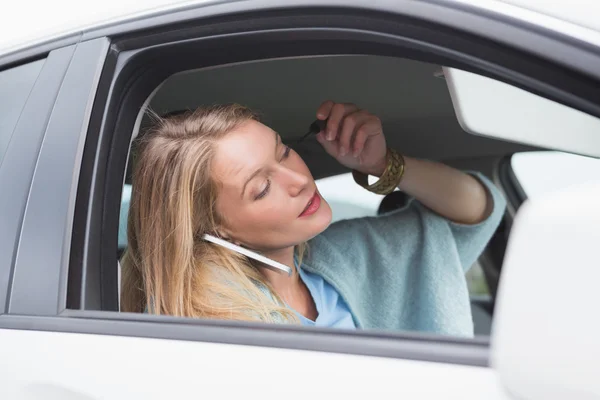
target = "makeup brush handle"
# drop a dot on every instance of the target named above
(318, 126)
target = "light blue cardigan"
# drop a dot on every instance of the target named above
(405, 270)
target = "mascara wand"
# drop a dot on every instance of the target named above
(316, 127)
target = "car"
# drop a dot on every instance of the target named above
(505, 88)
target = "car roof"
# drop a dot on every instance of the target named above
(29, 23)
(583, 13)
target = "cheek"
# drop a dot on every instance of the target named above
(270, 214)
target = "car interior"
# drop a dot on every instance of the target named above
(410, 97)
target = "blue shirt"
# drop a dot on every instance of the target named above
(332, 309)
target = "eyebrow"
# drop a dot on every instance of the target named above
(258, 171)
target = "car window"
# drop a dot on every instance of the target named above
(15, 85)
(543, 172)
(366, 244)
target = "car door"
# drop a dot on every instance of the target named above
(160, 357)
(60, 333)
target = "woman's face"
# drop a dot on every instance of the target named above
(268, 198)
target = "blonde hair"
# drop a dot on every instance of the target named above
(167, 267)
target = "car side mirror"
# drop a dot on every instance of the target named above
(487, 107)
(545, 341)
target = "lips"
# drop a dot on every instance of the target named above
(313, 205)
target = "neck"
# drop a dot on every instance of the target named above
(282, 283)
(291, 289)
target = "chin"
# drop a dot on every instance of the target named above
(328, 213)
(322, 219)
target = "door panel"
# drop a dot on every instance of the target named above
(82, 366)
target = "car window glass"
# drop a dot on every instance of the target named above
(542, 172)
(15, 85)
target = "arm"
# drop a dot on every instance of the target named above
(453, 194)
(355, 138)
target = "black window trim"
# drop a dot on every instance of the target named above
(515, 194)
(104, 154)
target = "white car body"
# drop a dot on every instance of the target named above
(27, 23)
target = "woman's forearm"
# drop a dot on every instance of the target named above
(355, 138)
(449, 192)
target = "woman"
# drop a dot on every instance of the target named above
(220, 171)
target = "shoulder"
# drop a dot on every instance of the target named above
(367, 242)
(401, 221)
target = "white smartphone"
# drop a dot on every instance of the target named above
(271, 264)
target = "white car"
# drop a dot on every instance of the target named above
(490, 86)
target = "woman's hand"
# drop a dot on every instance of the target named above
(353, 137)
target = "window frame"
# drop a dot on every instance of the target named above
(31, 70)
(19, 162)
(39, 284)
(515, 195)
(90, 208)
(184, 46)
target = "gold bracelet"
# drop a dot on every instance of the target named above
(389, 180)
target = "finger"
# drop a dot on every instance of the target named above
(338, 111)
(324, 110)
(350, 124)
(359, 141)
(333, 123)
(363, 132)
(330, 147)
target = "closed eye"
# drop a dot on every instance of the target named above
(286, 153)
(264, 192)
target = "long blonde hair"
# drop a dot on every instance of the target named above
(167, 267)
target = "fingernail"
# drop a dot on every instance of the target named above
(342, 151)
(355, 153)
(329, 135)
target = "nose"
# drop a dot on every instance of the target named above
(294, 181)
